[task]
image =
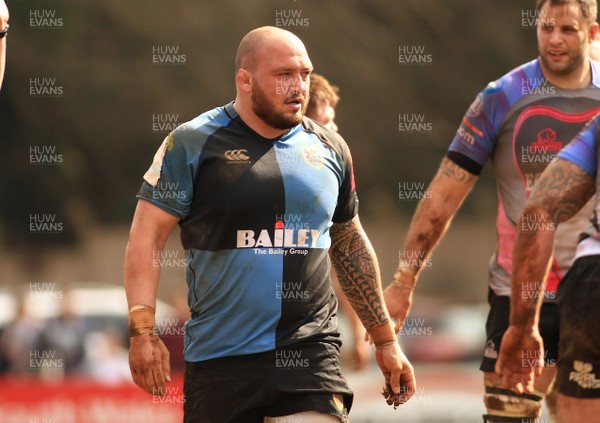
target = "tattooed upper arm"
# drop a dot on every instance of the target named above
(339, 229)
(453, 171)
(562, 190)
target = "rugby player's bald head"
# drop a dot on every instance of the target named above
(259, 40)
(272, 80)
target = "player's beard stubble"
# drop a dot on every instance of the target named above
(574, 62)
(266, 109)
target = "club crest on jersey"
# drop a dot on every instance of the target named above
(476, 107)
(546, 141)
(313, 155)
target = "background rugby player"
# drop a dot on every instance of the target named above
(518, 122)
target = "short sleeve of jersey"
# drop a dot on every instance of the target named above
(168, 183)
(347, 206)
(476, 136)
(582, 149)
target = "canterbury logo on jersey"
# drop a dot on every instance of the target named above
(236, 155)
(285, 238)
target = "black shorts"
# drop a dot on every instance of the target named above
(497, 324)
(579, 308)
(245, 389)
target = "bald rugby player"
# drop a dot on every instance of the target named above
(262, 342)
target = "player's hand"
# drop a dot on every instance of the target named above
(398, 299)
(399, 375)
(521, 358)
(149, 363)
(3, 14)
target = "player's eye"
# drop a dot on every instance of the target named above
(547, 28)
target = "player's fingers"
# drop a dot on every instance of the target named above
(160, 385)
(148, 383)
(135, 375)
(517, 387)
(166, 362)
(499, 367)
(527, 380)
(394, 380)
(538, 370)
(156, 368)
(409, 384)
(137, 370)
(512, 380)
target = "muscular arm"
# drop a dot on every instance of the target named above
(150, 229)
(358, 274)
(357, 270)
(432, 218)
(148, 356)
(562, 190)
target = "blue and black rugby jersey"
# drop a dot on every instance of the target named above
(255, 215)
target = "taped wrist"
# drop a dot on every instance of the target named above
(404, 278)
(141, 320)
(383, 334)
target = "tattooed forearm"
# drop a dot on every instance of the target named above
(531, 260)
(562, 190)
(357, 270)
(435, 211)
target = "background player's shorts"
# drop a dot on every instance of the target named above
(286, 381)
(497, 324)
(579, 308)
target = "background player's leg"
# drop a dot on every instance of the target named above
(550, 400)
(503, 404)
(571, 409)
(306, 417)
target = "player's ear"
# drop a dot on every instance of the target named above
(593, 32)
(244, 80)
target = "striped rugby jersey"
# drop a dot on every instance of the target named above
(255, 215)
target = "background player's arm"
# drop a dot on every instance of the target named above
(357, 270)
(432, 218)
(562, 190)
(4, 15)
(148, 357)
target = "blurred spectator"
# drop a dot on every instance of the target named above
(18, 340)
(107, 357)
(62, 338)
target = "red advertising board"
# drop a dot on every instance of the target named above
(84, 401)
